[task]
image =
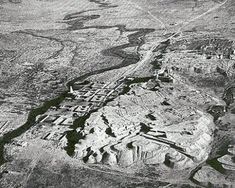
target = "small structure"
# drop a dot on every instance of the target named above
(152, 84)
(82, 109)
(104, 92)
(59, 120)
(164, 76)
(98, 85)
(54, 136)
(68, 121)
(50, 119)
(71, 90)
(98, 98)
(3, 124)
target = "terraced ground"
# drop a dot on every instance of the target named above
(48, 45)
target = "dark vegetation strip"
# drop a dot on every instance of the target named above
(217, 111)
(135, 40)
(73, 137)
(31, 121)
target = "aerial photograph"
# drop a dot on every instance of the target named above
(117, 93)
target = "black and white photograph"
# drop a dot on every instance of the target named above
(117, 93)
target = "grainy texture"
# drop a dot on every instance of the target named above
(117, 93)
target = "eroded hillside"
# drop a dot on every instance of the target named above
(104, 93)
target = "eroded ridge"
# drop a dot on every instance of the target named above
(130, 121)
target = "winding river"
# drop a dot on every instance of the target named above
(135, 39)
